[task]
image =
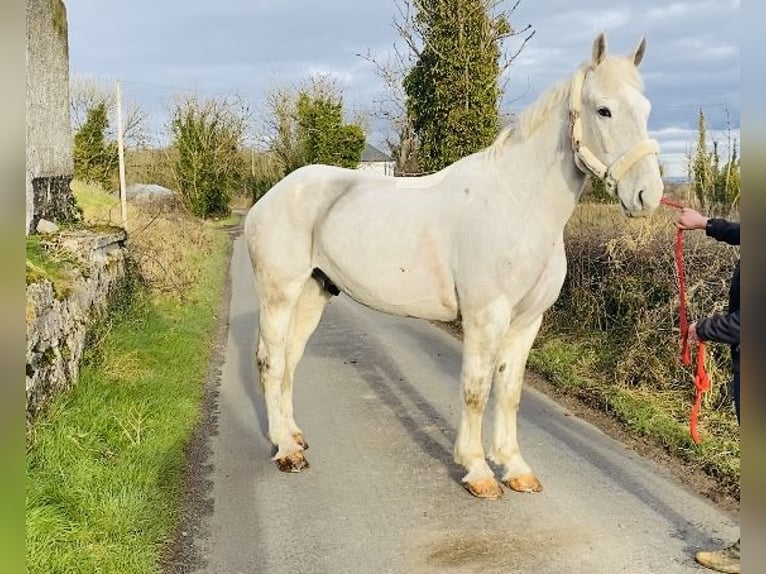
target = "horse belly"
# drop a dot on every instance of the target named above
(402, 271)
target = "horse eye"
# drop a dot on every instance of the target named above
(604, 113)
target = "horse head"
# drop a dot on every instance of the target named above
(608, 116)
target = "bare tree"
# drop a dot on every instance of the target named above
(412, 30)
(87, 93)
(279, 130)
(280, 127)
(391, 108)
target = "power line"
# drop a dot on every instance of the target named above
(181, 89)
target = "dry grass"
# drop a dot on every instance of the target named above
(160, 241)
(622, 281)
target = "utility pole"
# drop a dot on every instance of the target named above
(121, 154)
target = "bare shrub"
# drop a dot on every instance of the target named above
(163, 244)
(155, 166)
(622, 283)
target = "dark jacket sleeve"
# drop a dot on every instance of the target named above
(723, 230)
(720, 328)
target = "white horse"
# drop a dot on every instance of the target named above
(481, 240)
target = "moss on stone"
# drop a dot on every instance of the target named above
(41, 265)
(60, 22)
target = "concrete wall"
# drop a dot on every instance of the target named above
(49, 131)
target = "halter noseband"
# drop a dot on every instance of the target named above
(585, 159)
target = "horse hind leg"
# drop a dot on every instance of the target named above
(277, 305)
(306, 315)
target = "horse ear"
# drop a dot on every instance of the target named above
(599, 49)
(638, 55)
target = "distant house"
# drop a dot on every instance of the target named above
(375, 160)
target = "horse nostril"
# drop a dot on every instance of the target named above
(641, 198)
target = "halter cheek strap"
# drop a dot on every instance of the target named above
(585, 159)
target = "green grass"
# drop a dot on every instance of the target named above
(56, 265)
(97, 205)
(44, 264)
(104, 464)
(230, 221)
(575, 366)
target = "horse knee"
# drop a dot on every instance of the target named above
(475, 396)
(262, 360)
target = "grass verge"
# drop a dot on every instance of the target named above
(574, 366)
(104, 464)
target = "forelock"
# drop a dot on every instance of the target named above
(616, 71)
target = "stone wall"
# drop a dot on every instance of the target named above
(49, 130)
(58, 326)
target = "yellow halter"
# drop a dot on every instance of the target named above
(586, 159)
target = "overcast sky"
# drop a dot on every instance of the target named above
(163, 47)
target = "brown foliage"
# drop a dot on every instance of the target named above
(622, 283)
(163, 242)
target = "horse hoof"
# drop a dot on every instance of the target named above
(301, 441)
(292, 463)
(484, 488)
(524, 483)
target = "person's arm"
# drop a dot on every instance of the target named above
(723, 230)
(720, 328)
(720, 229)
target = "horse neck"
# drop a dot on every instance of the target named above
(545, 156)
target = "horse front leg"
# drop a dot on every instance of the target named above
(509, 379)
(481, 339)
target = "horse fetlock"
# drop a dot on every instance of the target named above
(300, 441)
(497, 456)
(286, 446)
(509, 457)
(466, 456)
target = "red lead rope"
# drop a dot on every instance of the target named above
(701, 379)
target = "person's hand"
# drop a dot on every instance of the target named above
(692, 332)
(689, 218)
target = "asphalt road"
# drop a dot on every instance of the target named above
(377, 399)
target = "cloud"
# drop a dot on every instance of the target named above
(677, 143)
(692, 59)
(671, 11)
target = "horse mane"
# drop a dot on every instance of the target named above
(613, 72)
